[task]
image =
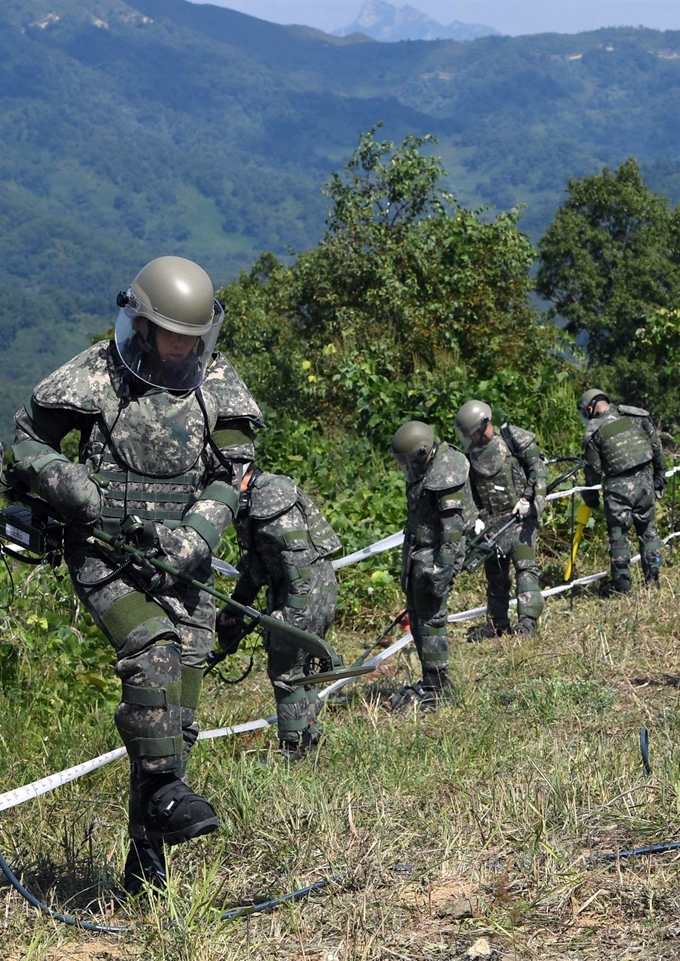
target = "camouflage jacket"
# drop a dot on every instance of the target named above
(441, 511)
(286, 540)
(506, 468)
(170, 459)
(619, 440)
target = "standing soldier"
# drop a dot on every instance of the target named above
(165, 428)
(440, 514)
(287, 543)
(621, 447)
(508, 476)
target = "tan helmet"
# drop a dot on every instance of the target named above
(412, 446)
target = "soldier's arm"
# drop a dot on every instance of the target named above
(37, 464)
(251, 578)
(452, 529)
(658, 456)
(288, 535)
(536, 473)
(231, 444)
(592, 471)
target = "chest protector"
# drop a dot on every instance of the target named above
(448, 472)
(497, 476)
(623, 442)
(149, 450)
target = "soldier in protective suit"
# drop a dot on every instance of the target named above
(165, 425)
(286, 543)
(440, 515)
(508, 476)
(622, 448)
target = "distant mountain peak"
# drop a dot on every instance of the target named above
(383, 21)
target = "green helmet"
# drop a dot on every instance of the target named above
(474, 415)
(590, 397)
(175, 295)
(412, 446)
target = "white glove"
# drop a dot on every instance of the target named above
(479, 525)
(522, 508)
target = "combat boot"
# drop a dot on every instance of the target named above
(485, 632)
(145, 863)
(612, 588)
(307, 746)
(652, 578)
(173, 813)
(525, 626)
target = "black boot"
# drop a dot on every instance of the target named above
(173, 813)
(525, 625)
(145, 863)
(485, 632)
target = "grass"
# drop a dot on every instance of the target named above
(478, 827)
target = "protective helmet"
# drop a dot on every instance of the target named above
(589, 398)
(174, 295)
(474, 415)
(412, 447)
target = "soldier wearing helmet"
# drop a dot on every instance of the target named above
(166, 432)
(508, 476)
(623, 450)
(440, 514)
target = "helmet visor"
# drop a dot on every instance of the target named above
(161, 357)
(413, 465)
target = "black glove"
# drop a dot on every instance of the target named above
(659, 485)
(230, 629)
(591, 499)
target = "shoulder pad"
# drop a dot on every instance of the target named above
(231, 395)
(449, 468)
(520, 438)
(81, 384)
(271, 495)
(633, 411)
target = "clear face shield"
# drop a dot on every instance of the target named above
(161, 357)
(475, 437)
(413, 465)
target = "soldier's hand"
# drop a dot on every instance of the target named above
(659, 485)
(230, 630)
(479, 526)
(522, 508)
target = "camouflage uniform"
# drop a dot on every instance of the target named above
(622, 448)
(286, 543)
(172, 460)
(506, 468)
(440, 514)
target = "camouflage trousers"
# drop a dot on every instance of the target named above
(519, 546)
(427, 592)
(161, 643)
(297, 707)
(629, 502)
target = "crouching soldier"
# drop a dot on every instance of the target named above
(286, 543)
(440, 515)
(508, 476)
(622, 448)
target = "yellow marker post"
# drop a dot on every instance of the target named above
(582, 517)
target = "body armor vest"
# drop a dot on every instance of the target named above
(498, 478)
(448, 470)
(271, 495)
(149, 450)
(624, 444)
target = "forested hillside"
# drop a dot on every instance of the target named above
(134, 129)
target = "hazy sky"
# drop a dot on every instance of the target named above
(508, 16)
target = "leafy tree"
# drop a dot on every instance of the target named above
(610, 263)
(408, 302)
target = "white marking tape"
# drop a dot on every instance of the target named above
(19, 795)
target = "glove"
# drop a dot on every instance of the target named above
(522, 508)
(183, 548)
(659, 485)
(591, 499)
(230, 629)
(479, 526)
